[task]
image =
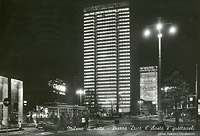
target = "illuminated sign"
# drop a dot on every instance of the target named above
(58, 85)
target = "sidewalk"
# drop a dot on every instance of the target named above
(14, 127)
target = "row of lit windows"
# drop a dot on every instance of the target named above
(90, 40)
(87, 24)
(124, 26)
(105, 28)
(86, 21)
(89, 50)
(92, 63)
(124, 47)
(105, 42)
(88, 76)
(124, 102)
(110, 58)
(106, 11)
(107, 82)
(91, 53)
(87, 67)
(124, 40)
(124, 67)
(106, 18)
(124, 54)
(121, 37)
(88, 17)
(124, 88)
(106, 72)
(91, 45)
(104, 52)
(99, 69)
(124, 60)
(107, 38)
(106, 85)
(123, 9)
(109, 65)
(106, 25)
(106, 90)
(106, 96)
(122, 75)
(86, 34)
(124, 98)
(121, 106)
(88, 37)
(88, 80)
(88, 14)
(126, 81)
(124, 95)
(124, 16)
(109, 14)
(90, 30)
(89, 86)
(88, 70)
(121, 78)
(110, 75)
(88, 57)
(125, 43)
(124, 85)
(108, 21)
(124, 71)
(123, 19)
(89, 83)
(124, 92)
(124, 57)
(106, 35)
(105, 79)
(89, 73)
(106, 62)
(106, 45)
(104, 32)
(124, 30)
(126, 33)
(121, 13)
(124, 64)
(124, 51)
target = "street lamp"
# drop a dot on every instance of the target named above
(159, 26)
(80, 92)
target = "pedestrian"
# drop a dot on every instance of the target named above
(20, 125)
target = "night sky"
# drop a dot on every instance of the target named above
(43, 39)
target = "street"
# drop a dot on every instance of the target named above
(36, 132)
(125, 127)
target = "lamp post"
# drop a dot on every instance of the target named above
(80, 92)
(159, 27)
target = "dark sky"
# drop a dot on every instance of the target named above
(43, 39)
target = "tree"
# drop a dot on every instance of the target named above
(175, 95)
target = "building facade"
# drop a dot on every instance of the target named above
(149, 84)
(107, 69)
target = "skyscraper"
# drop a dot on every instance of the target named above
(149, 84)
(107, 69)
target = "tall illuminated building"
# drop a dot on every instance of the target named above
(107, 71)
(149, 84)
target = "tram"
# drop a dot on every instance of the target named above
(61, 116)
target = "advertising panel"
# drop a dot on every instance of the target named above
(3, 95)
(17, 100)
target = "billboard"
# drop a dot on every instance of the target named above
(3, 95)
(17, 99)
